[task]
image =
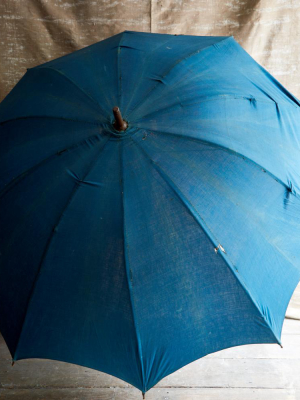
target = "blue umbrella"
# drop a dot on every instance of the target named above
(150, 209)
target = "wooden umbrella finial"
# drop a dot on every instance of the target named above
(119, 124)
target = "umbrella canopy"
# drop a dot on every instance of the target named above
(136, 244)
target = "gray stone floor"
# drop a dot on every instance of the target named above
(256, 372)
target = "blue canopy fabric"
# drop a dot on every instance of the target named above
(138, 252)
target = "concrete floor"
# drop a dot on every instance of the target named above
(256, 372)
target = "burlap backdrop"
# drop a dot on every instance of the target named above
(35, 31)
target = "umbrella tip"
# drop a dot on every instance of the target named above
(143, 395)
(120, 124)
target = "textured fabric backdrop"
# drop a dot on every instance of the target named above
(35, 31)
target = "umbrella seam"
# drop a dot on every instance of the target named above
(23, 174)
(226, 149)
(193, 211)
(207, 99)
(126, 261)
(220, 43)
(73, 83)
(119, 77)
(288, 99)
(137, 84)
(47, 246)
(286, 96)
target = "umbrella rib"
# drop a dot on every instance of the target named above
(73, 83)
(224, 148)
(203, 225)
(207, 99)
(137, 84)
(119, 80)
(128, 271)
(291, 100)
(48, 243)
(194, 53)
(21, 176)
(244, 158)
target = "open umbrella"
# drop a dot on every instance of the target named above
(149, 205)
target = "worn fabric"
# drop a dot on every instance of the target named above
(33, 32)
(136, 253)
